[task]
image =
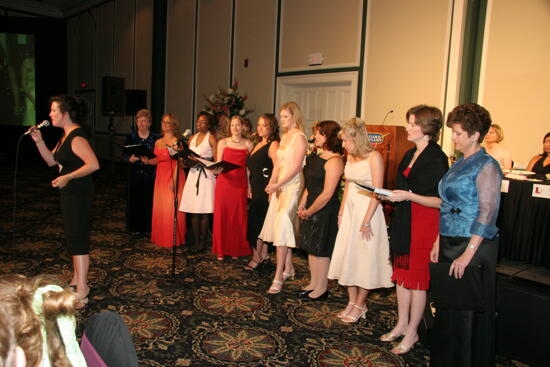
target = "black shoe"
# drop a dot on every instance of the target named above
(304, 293)
(320, 298)
(196, 249)
(255, 265)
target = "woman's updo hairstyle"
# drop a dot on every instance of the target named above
(430, 120)
(74, 106)
(330, 129)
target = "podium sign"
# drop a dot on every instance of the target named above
(390, 141)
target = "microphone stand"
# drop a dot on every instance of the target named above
(171, 283)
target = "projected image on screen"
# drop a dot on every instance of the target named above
(17, 86)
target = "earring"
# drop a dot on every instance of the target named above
(426, 137)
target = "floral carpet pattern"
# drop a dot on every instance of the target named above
(213, 314)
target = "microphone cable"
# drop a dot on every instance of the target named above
(15, 186)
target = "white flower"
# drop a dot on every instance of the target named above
(242, 112)
(229, 91)
(212, 98)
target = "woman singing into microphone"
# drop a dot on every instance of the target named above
(76, 160)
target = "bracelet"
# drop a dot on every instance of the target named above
(472, 247)
(71, 176)
(339, 214)
(366, 225)
(40, 142)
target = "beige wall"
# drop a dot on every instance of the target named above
(180, 43)
(407, 45)
(327, 26)
(405, 61)
(213, 49)
(516, 75)
(255, 40)
(114, 39)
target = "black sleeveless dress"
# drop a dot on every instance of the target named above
(539, 169)
(260, 167)
(76, 197)
(318, 232)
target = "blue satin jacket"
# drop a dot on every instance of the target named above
(470, 194)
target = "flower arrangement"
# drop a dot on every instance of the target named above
(227, 102)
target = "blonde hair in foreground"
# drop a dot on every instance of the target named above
(296, 113)
(356, 130)
(16, 298)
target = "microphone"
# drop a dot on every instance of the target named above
(186, 134)
(385, 117)
(39, 126)
(185, 137)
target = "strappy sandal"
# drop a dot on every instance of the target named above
(353, 319)
(403, 349)
(389, 337)
(288, 276)
(343, 313)
(276, 287)
(83, 301)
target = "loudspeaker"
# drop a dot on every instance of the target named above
(136, 99)
(113, 96)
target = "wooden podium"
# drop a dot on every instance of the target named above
(391, 141)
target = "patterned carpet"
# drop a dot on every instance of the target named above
(215, 315)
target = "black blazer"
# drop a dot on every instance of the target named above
(423, 179)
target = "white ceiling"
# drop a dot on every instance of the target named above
(49, 8)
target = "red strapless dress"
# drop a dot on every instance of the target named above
(230, 214)
(162, 225)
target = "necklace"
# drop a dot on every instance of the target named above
(236, 142)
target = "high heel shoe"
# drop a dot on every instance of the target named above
(389, 337)
(288, 275)
(253, 265)
(82, 301)
(343, 313)
(318, 298)
(404, 349)
(304, 293)
(353, 319)
(256, 265)
(276, 287)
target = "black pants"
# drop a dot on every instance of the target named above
(109, 335)
(465, 338)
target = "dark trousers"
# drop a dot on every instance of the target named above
(466, 338)
(109, 336)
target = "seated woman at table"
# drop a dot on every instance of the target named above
(494, 149)
(470, 199)
(540, 164)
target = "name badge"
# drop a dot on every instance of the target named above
(541, 191)
(504, 186)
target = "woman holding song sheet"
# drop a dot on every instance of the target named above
(415, 221)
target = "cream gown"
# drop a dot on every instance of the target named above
(356, 261)
(280, 221)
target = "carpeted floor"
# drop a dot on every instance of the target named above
(215, 315)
